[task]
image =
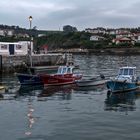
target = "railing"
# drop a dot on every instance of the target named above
(67, 58)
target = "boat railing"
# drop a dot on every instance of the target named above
(128, 78)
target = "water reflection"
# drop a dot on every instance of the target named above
(123, 102)
(30, 117)
(42, 93)
(61, 92)
(30, 90)
(97, 88)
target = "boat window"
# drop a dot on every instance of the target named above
(121, 72)
(64, 70)
(69, 70)
(131, 72)
(126, 71)
(59, 70)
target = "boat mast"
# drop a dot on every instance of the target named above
(30, 47)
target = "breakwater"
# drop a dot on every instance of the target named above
(15, 63)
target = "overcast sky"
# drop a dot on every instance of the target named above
(54, 14)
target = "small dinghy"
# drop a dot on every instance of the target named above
(91, 82)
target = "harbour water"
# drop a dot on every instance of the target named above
(69, 112)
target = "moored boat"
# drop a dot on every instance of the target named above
(91, 82)
(64, 75)
(29, 79)
(31, 76)
(126, 80)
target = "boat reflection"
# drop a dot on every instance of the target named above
(91, 88)
(122, 102)
(30, 90)
(61, 92)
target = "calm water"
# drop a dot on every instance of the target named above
(71, 113)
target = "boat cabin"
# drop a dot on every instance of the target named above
(127, 73)
(65, 70)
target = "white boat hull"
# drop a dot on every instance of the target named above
(85, 83)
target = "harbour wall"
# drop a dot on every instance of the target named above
(15, 63)
(103, 51)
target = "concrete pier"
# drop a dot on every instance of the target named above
(14, 63)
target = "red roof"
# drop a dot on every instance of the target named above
(122, 39)
(45, 47)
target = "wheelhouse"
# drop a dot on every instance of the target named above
(127, 71)
(65, 70)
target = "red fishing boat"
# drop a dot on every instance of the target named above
(64, 75)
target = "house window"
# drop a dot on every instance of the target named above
(18, 47)
(3, 47)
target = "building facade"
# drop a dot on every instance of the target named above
(16, 48)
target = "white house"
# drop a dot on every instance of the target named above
(111, 31)
(96, 38)
(97, 30)
(123, 40)
(9, 32)
(2, 33)
(40, 35)
(16, 48)
(136, 37)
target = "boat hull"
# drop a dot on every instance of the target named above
(86, 83)
(54, 80)
(121, 86)
(27, 79)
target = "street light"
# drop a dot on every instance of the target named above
(30, 49)
(30, 19)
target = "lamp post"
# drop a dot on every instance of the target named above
(30, 49)
(30, 20)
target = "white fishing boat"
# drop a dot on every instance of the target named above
(126, 80)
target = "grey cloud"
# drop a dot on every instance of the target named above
(48, 14)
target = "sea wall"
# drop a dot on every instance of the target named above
(13, 63)
(104, 51)
(116, 51)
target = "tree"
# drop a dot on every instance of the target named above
(35, 28)
(68, 28)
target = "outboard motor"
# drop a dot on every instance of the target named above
(102, 76)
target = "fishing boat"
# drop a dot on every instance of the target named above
(31, 75)
(29, 78)
(91, 82)
(126, 80)
(65, 75)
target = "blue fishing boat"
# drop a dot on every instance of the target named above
(126, 80)
(31, 75)
(27, 79)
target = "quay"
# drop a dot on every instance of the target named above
(16, 63)
(16, 56)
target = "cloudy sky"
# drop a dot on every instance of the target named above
(54, 14)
